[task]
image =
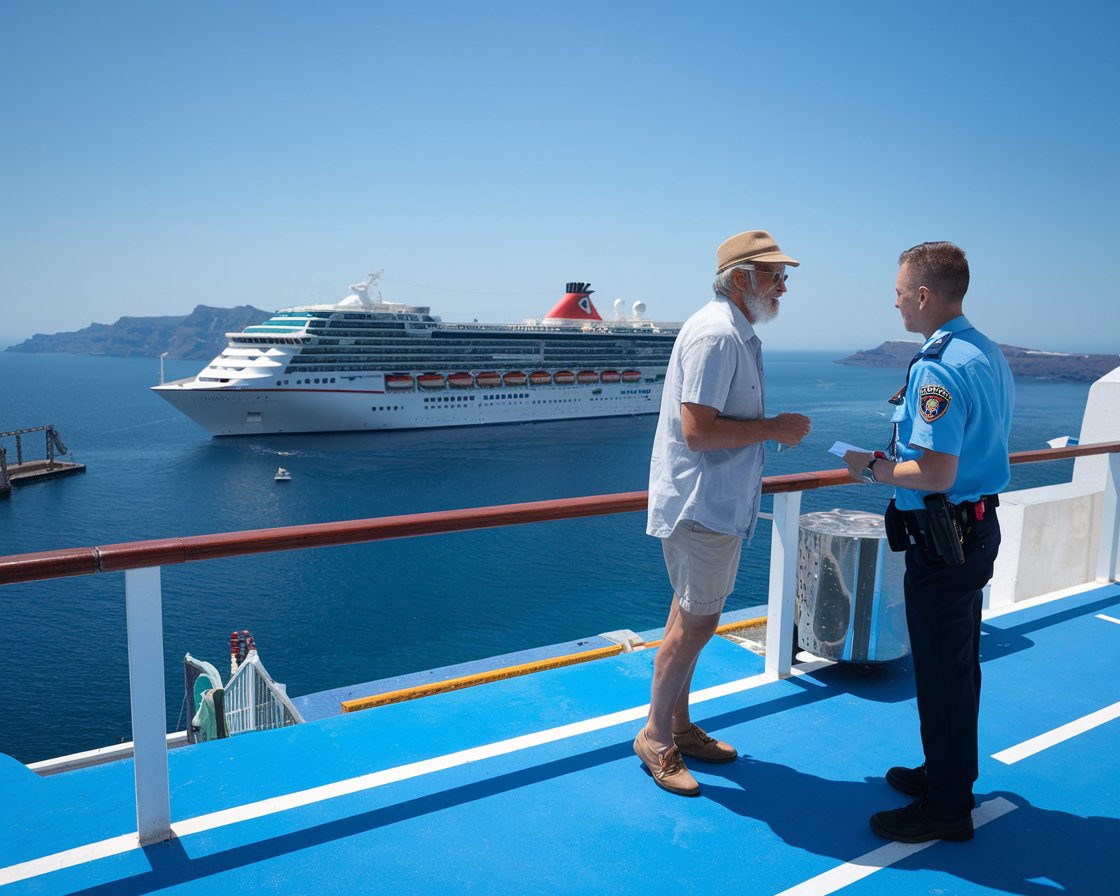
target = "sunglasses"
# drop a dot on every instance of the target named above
(776, 277)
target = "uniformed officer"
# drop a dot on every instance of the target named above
(947, 461)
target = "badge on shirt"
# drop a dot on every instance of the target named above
(933, 402)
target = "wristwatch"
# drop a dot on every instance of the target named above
(869, 471)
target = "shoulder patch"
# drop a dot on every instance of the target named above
(933, 402)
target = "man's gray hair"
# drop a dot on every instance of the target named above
(722, 285)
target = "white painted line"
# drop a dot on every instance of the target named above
(69, 858)
(1064, 732)
(117, 845)
(857, 869)
(1108, 618)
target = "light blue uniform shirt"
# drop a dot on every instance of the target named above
(716, 361)
(959, 404)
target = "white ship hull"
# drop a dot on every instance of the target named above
(363, 364)
(239, 412)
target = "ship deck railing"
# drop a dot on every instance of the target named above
(141, 561)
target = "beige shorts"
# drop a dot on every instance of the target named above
(702, 565)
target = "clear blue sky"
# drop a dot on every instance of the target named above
(156, 155)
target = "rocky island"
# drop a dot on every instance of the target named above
(1023, 361)
(200, 335)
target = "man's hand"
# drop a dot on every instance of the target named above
(790, 429)
(856, 461)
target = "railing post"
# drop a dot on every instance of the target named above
(1109, 544)
(144, 618)
(783, 584)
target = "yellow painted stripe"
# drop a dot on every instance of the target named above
(743, 623)
(466, 681)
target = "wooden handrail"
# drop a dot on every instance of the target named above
(67, 562)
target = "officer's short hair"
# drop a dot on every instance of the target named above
(941, 266)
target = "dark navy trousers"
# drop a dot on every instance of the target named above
(943, 606)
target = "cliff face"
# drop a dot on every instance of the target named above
(200, 335)
(1022, 361)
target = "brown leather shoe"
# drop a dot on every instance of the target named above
(667, 768)
(696, 742)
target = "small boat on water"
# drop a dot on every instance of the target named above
(282, 475)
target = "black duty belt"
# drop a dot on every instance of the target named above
(940, 528)
(967, 511)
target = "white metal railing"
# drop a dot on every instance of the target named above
(254, 702)
(143, 593)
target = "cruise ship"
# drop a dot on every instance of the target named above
(367, 364)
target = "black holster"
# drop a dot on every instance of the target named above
(943, 529)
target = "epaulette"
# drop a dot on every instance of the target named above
(935, 348)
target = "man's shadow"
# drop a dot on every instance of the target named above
(1029, 850)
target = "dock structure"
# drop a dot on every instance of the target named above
(23, 472)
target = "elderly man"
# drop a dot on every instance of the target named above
(947, 461)
(705, 485)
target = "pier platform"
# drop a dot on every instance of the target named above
(26, 472)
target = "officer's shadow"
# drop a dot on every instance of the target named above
(1029, 850)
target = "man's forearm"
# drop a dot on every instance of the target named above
(724, 433)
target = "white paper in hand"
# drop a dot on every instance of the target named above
(841, 448)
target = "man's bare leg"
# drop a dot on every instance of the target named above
(685, 636)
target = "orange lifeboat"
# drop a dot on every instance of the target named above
(610, 376)
(631, 376)
(515, 378)
(398, 382)
(563, 377)
(540, 378)
(488, 379)
(431, 381)
(460, 380)
(587, 376)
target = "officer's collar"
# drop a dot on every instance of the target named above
(958, 324)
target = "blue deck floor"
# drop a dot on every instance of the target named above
(530, 786)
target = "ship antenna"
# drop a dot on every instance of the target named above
(368, 285)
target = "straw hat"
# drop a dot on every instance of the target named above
(751, 245)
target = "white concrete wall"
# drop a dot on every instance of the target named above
(1051, 535)
(1100, 423)
(1049, 541)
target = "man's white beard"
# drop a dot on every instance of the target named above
(762, 309)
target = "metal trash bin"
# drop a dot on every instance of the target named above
(850, 605)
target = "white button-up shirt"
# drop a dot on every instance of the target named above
(717, 362)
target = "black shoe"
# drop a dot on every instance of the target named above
(918, 823)
(911, 781)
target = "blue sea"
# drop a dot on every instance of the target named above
(339, 616)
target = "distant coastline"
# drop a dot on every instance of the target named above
(1023, 361)
(200, 335)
